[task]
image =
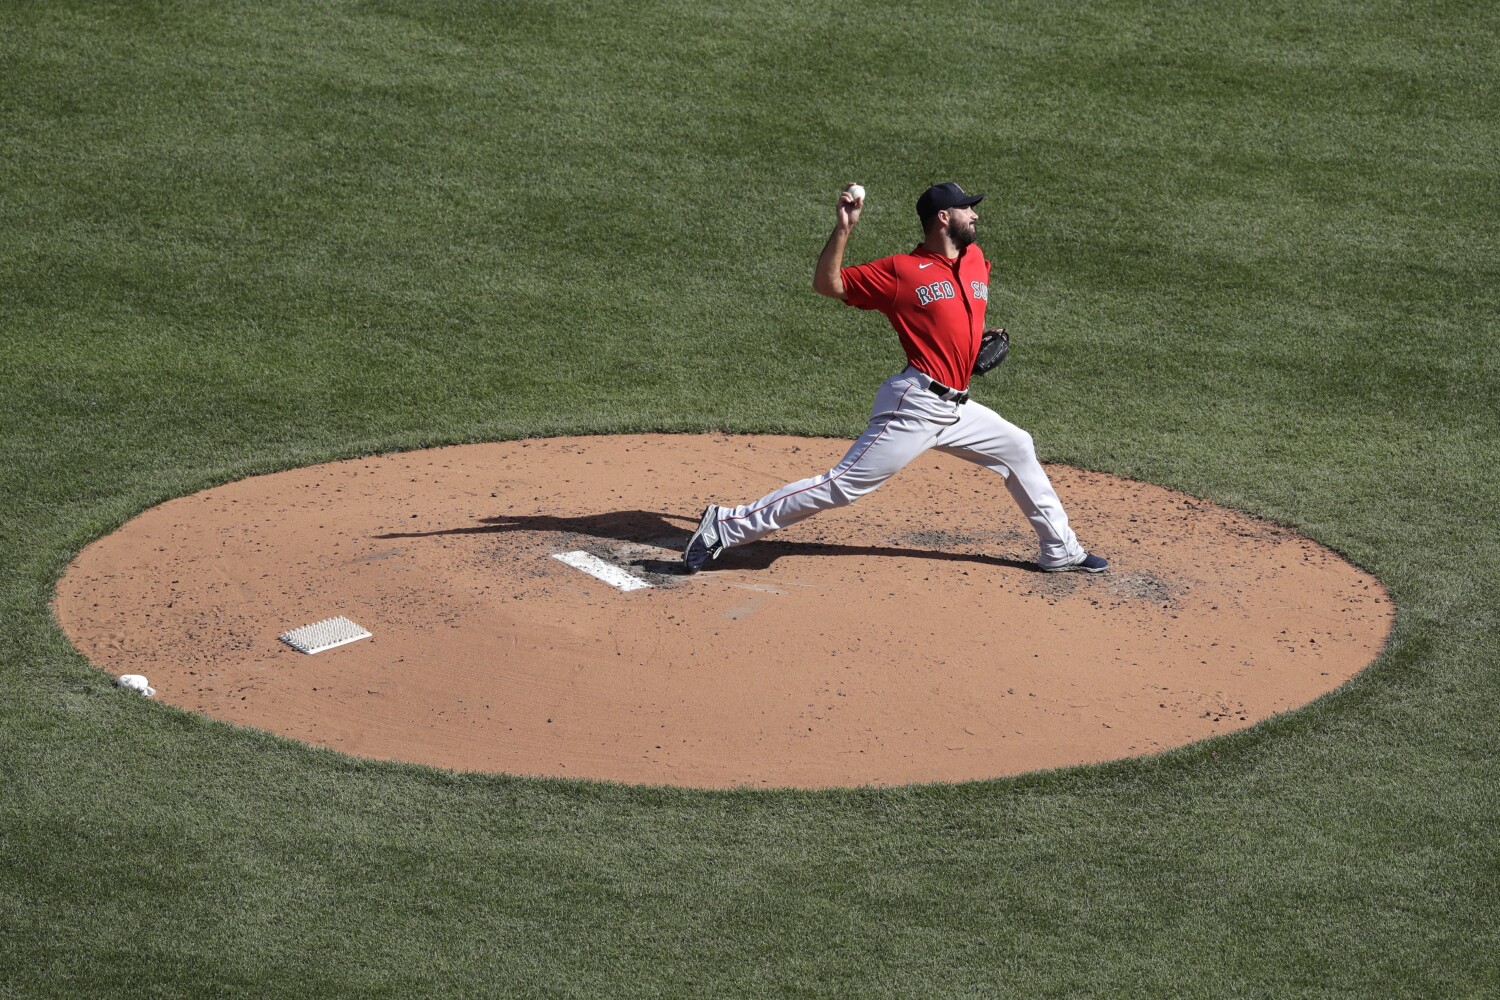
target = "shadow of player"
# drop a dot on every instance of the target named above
(671, 531)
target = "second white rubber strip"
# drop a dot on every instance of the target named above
(599, 569)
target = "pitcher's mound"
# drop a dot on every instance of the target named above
(905, 639)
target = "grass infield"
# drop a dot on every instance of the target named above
(1249, 252)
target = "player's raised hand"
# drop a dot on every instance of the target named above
(851, 202)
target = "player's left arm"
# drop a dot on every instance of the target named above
(994, 343)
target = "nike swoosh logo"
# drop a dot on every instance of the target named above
(921, 267)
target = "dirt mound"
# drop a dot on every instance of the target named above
(905, 639)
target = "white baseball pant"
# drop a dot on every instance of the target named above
(907, 419)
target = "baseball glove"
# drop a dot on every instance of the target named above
(994, 346)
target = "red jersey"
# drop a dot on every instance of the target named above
(936, 305)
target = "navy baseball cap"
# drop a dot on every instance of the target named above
(945, 195)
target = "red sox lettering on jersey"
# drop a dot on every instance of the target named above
(936, 306)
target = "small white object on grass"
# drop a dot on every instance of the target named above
(137, 683)
(856, 191)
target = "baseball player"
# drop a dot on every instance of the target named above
(935, 298)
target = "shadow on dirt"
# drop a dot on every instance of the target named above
(671, 531)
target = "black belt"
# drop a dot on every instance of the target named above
(951, 395)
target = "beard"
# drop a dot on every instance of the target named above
(962, 234)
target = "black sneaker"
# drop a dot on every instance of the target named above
(705, 544)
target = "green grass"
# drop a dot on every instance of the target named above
(1249, 253)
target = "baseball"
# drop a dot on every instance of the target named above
(856, 191)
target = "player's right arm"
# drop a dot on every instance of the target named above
(826, 279)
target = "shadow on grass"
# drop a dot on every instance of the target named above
(671, 531)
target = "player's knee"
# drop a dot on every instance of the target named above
(843, 496)
(847, 490)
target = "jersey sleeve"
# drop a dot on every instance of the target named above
(872, 285)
